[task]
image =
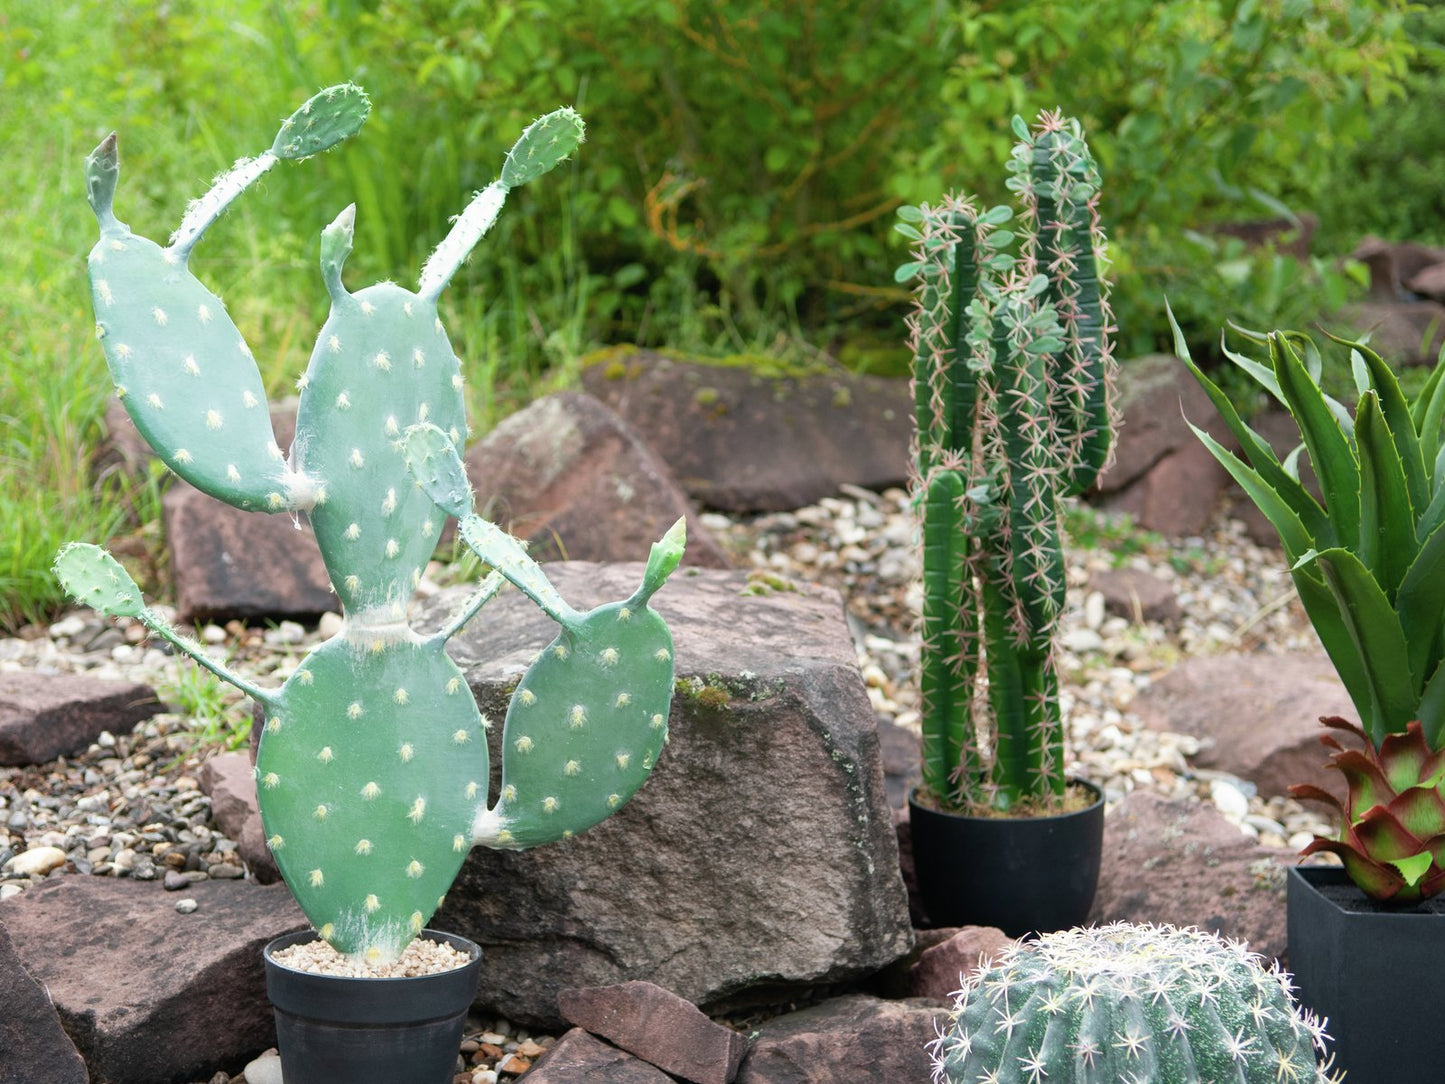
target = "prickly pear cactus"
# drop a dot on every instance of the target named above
(372, 772)
(1126, 1004)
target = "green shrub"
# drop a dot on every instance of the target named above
(1199, 111)
(1389, 184)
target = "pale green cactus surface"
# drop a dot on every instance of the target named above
(372, 772)
(1129, 1004)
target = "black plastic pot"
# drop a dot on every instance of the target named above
(1377, 974)
(333, 1029)
(1022, 874)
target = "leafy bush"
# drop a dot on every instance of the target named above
(1390, 185)
(1199, 111)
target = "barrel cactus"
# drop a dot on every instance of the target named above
(1129, 1004)
(1013, 371)
(372, 771)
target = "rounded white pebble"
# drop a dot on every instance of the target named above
(36, 862)
(1229, 800)
(186, 907)
(264, 1070)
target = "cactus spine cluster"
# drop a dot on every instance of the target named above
(1127, 1004)
(372, 772)
(1013, 371)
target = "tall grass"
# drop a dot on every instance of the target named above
(198, 86)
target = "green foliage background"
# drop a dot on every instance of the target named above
(735, 196)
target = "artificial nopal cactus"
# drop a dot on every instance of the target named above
(1127, 1004)
(1013, 370)
(372, 772)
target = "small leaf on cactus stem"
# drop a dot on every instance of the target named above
(95, 578)
(544, 145)
(324, 120)
(433, 461)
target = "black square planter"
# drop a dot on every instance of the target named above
(1377, 975)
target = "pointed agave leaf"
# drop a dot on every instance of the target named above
(1420, 602)
(1262, 374)
(1432, 517)
(1427, 411)
(1396, 412)
(1329, 448)
(1379, 641)
(1387, 520)
(1431, 711)
(1292, 533)
(1260, 454)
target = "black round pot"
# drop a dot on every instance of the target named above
(334, 1029)
(1024, 875)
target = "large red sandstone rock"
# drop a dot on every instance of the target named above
(761, 850)
(743, 442)
(659, 1027)
(578, 1058)
(33, 1046)
(570, 477)
(150, 996)
(226, 563)
(1402, 332)
(1392, 264)
(226, 779)
(1161, 475)
(1256, 715)
(44, 716)
(848, 1038)
(1177, 496)
(1156, 393)
(1182, 863)
(942, 968)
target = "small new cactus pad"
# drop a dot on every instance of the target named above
(1012, 371)
(372, 773)
(1127, 1004)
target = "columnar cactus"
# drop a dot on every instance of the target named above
(372, 772)
(1013, 370)
(1126, 1004)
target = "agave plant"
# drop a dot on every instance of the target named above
(1369, 565)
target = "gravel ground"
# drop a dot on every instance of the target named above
(129, 806)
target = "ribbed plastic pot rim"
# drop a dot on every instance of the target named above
(297, 937)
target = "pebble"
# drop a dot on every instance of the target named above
(187, 906)
(36, 862)
(1231, 801)
(264, 1070)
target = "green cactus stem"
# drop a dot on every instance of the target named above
(1012, 379)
